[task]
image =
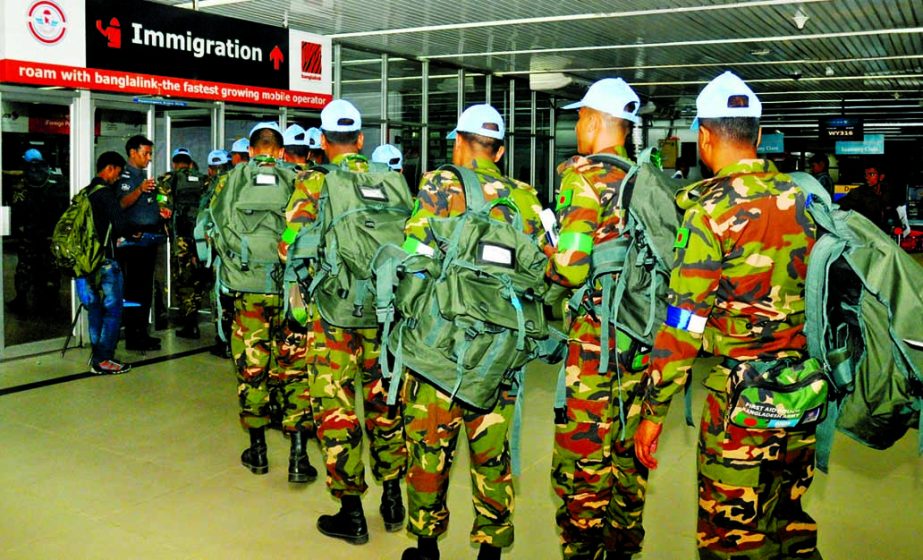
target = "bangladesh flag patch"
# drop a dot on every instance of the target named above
(682, 238)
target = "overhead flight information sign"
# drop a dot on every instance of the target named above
(154, 49)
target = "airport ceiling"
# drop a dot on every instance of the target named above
(805, 58)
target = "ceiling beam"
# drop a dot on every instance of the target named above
(701, 42)
(568, 17)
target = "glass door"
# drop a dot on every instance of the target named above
(35, 156)
(191, 128)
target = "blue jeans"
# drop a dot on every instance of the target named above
(101, 294)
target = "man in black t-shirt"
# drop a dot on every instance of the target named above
(101, 291)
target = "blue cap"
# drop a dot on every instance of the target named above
(475, 120)
(726, 96)
(32, 155)
(180, 152)
(611, 96)
(242, 145)
(340, 116)
(271, 125)
(314, 135)
(217, 157)
(389, 155)
(294, 135)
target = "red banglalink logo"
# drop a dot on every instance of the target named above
(47, 22)
(311, 60)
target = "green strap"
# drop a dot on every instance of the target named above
(687, 402)
(218, 308)
(244, 252)
(520, 316)
(824, 253)
(605, 328)
(515, 437)
(824, 434)
(363, 290)
(609, 256)
(560, 393)
(474, 194)
(818, 202)
(398, 373)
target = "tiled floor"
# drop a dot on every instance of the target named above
(146, 465)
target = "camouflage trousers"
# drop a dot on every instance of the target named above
(269, 353)
(594, 469)
(336, 357)
(190, 280)
(432, 423)
(750, 487)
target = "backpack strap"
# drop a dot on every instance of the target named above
(817, 200)
(474, 194)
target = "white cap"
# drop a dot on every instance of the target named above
(217, 157)
(313, 135)
(475, 120)
(241, 145)
(294, 135)
(724, 97)
(389, 155)
(611, 96)
(271, 125)
(180, 152)
(340, 116)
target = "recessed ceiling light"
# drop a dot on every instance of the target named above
(759, 52)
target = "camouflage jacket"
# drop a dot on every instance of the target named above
(442, 195)
(738, 287)
(588, 213)
(302, 207)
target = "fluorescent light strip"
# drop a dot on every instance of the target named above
(713, 64)
(838, 101)
(731, 41)
(570, 17)
(209, 3)
(777, 80)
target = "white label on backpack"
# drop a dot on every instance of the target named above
(497, 254)
(192, 179)
(373, 193)
(263, 179)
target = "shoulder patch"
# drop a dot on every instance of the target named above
(565, 199)
(682, 238)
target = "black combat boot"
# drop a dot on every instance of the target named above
(426, 549)
(489, 552)
(254, 457)
(392, 509)
(348, 524)
(190, 327)
(299, 466)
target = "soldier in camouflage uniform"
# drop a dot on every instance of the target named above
(737, 292)
(188, 277)
(336, 355)
(222, 304)
(432, 420)
(268, 350)
(594, 469)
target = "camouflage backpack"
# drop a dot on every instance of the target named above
(863, 305)
(331, 259)
(186, 188)
(247, 220)
(471, 314)
(75, 245)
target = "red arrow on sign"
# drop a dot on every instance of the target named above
(276, 56)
